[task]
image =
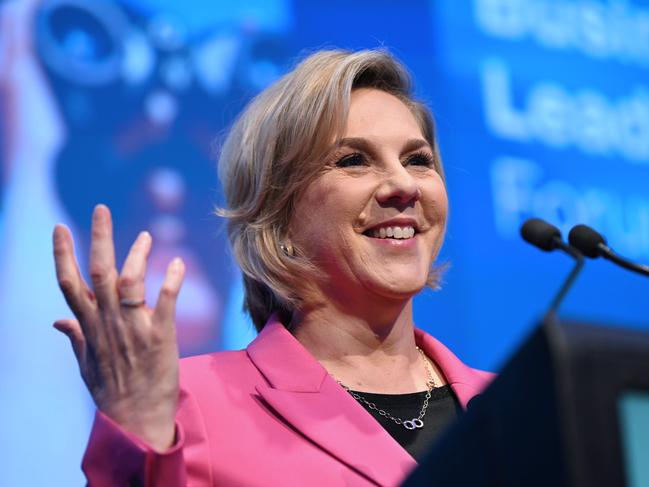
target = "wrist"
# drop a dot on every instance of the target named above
(155, 428)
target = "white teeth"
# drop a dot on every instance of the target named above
(393, 232)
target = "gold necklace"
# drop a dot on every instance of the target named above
(409, 424)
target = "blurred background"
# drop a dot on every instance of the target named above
(542, 109)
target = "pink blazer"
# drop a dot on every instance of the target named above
(268, 415)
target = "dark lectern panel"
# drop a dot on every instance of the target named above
(550, 417)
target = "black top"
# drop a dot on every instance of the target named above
(443, 407)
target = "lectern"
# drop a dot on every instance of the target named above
(570, 408)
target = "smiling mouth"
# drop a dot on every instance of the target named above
(392, 232)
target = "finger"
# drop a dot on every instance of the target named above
(102, 259)
(75, 290)
(131, 280)
(165, 308)
(72, 329)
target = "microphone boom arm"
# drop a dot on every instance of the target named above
(607, 253)
(567, 284)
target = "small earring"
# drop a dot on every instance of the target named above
(287, 249)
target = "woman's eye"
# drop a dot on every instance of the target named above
(421, 159)
(351, 160)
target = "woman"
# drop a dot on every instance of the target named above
(336, 211)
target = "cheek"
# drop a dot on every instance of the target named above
(442, 204)
(319, 217)
(339, 199)
(435, 201)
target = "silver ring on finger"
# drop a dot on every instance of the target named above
(131, 303)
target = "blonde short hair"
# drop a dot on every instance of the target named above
(276, 148)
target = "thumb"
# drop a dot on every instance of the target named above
(72, 329)
(165, 308)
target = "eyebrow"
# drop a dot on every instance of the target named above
(366, 146)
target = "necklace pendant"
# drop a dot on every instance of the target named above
(414, 423)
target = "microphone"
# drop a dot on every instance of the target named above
(592, 244)
(547, 237)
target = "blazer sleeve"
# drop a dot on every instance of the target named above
(115, 457)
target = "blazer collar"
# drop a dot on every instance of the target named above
(302, 392)
(465, 381)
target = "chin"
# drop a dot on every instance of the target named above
(397, 289)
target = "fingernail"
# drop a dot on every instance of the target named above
(100, 211)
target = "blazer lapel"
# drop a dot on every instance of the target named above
(301, 391)
(465, 381)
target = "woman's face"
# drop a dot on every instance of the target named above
(374, 219)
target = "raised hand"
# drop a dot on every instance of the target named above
(127, 352)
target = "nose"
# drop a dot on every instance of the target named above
(398, 186)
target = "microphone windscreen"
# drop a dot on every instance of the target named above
(586, 240)
(540, 233)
